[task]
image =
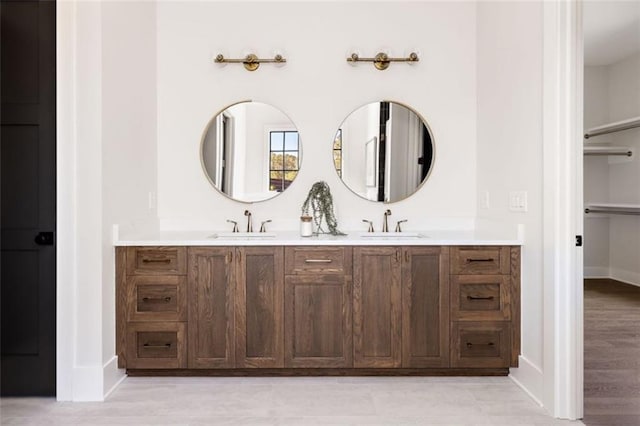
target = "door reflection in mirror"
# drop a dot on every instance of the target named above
(251, 151)
(386, 151)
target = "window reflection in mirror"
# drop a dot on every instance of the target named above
(251, 151)
(383, 151)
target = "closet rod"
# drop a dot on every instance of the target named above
(619, 126)
(613, 211)
(624, 153)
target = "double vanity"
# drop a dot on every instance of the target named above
(317, 306)
(277, 303)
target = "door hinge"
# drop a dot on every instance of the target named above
(578, 240)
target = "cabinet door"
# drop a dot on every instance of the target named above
(211, 282)
(259, 307)
(318, 330)
(377, 328)
(425, 307)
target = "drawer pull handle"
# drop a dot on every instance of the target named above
(156, 299)
(480, 297)
(162, 346)
(489, 259)
(469, 344)
(318, 260)
(156, 260)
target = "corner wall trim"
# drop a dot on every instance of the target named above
(627, 277)
(563, 216)
(113, 376)
(529, 378)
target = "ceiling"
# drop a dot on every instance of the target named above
(611, 31)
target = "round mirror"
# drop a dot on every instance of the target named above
(250, 151)
(383, 151)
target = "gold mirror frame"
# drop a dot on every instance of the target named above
(204, 136)
(433, 150)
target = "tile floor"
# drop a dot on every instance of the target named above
(294, 401)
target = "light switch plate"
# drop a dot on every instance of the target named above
(518, 201)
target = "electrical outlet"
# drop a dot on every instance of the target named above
(518, 201)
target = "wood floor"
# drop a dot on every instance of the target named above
(611, 353)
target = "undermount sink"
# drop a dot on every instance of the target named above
(240, 235)
(392, 235)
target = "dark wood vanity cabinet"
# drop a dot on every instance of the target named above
(318, 331)
(401, 307)
(425, 307)
(485, 307)
(212, 289)
(377, 307)
(259, 307)
(331, 308)
(151, 307)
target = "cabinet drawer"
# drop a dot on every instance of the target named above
(480, 344)
(326, 260)
(480, 297)
(156, 345)
(156, 260)
(157, 298)
(480, 260)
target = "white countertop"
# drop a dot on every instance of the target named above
(290, 238)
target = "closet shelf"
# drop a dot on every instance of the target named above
(613, 208)
(618, 126)
(608, 150)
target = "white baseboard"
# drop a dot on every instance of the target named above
(87, 384)
(113, 376)
(529, 378)
(95, 383)
(627, 277)
(597, 272)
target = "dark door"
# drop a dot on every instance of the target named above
(28, 172)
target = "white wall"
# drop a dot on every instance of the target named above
(509, 147)
(107, 166)
(317, 89)
(624, 178)
(596, 173)
(129, 154)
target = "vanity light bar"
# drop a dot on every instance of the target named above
(251, 62)
(381, 61)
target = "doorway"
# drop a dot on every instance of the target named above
(611, 179)
(28, 194)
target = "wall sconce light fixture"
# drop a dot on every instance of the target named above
(381, 61)
(251, 62)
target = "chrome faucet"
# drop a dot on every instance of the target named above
(385, 224)
(247, 213)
